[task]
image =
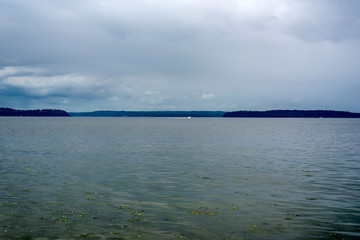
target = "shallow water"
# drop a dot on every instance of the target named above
(168, 178)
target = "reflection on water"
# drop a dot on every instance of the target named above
(159, 178)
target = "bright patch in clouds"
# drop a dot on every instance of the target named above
(208, 96)
(11, 71)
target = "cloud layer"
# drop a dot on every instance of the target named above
(180, 55)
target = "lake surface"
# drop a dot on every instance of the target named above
(169, 178)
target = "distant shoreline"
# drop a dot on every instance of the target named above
(292, 114)
(219, 114)
(9, 112)
(148, 114)
(236, 114)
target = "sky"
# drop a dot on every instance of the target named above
(87, 55)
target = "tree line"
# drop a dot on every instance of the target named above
(293, 114)
(33, 113)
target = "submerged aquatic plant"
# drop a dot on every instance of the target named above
(202, 212)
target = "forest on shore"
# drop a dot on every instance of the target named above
(293, 114)
(9, 112)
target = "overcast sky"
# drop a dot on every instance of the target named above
(85, 55)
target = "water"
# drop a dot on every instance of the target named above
(168, 178)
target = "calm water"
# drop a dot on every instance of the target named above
(162, 178)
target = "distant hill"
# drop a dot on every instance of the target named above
(148, 114)
(33, 113)
(293, 114)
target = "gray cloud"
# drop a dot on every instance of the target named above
(152, 55)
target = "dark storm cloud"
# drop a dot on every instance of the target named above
(87, 55)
